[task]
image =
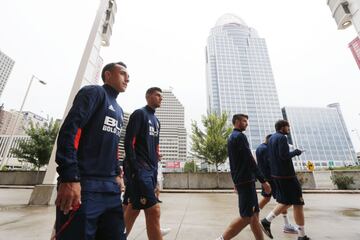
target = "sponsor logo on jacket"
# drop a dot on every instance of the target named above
(153, 131)
(112, 125)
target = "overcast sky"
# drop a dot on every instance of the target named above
(163, 43)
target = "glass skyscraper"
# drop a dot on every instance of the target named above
(322, 133)
(240, 78)
(6, 65)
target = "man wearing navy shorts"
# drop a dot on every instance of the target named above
(141, 165)
(288, 188)
(88, 203)
(244, 172)
(262, 158)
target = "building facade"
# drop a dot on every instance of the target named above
(12, 161)
(8, 129)
(322, 133)
(8, 121)
(6, 65)
(171, 115)
(239, 77)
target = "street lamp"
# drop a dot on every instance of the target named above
(8, 143)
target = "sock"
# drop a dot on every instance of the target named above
(301, 231)
(271, 216)
(286, 220)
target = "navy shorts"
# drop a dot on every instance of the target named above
(248, 201)
(273, 190)
(140, 189)
(100, 216)
(288, 191)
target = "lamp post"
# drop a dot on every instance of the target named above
(8, 143)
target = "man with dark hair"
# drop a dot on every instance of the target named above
(288, 188)
(141, 165)
(89, 184)
(244, 172)
(262, 158)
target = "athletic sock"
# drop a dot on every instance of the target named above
(286, 220)
(271, 216)
(301, 231)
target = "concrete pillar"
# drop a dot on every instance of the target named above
(88, 73)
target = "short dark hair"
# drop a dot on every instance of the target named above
(238, 116)
(280, 124)
(268, 137)
(152, 90)
(109, 67)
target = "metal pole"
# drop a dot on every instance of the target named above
(4, 162)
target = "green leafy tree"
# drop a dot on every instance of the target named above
(210, 145)
(37, 149)
(190, 167)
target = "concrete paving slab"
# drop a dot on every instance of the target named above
(193, 216)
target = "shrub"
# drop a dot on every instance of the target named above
(342, 182)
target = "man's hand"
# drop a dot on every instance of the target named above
(266, 187)
(120, 182)
(68, 196)
(298, 152)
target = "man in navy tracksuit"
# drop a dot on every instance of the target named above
(263, 160)
(244, 172)
(88, 199)
(288, 188)
(141, 165)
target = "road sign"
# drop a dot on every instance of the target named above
(310, 166)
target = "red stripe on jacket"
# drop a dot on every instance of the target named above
(77, 138)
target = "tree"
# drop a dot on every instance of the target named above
(190, 167)
(211, 144)
(37, 149)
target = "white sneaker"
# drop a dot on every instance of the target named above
(164, 231)
(220, 238)
(289, 228)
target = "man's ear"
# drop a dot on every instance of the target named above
(107, 74)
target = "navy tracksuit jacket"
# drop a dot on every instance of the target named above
(87, 146)
(280, 156)
(242, 163)
(142, 141)
(263, 160)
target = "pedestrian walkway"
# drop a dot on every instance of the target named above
(193, 216)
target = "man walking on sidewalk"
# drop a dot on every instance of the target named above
(262, 158)
(244, 172)
(288, 189)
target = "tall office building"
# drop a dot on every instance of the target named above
(240, 78)
(322, 133)
(8, 119)
(172, 132)
(6, 65)
(121, 146)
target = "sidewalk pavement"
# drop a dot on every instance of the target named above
(192, 216)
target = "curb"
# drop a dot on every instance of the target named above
(306, 191)
(16, 187)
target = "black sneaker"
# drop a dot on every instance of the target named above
(304, 238)
(265, 226)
